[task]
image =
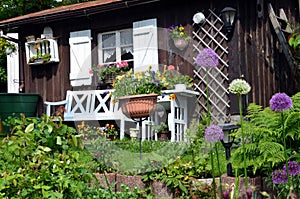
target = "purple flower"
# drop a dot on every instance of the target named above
(213, 133)
(153, 76)
(249, 193)
(294, 168)
(226, 194)
(96, 155)
(207, 58)
(280, 102)
(105, 93)
(279, 177)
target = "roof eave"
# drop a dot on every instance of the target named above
(69, 13)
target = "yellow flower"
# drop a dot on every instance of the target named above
(120, 77)
(181, 28)
(172, 97)
(181, 33)
(80, 126)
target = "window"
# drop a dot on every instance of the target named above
(115, 46)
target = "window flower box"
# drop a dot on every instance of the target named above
(41, 51)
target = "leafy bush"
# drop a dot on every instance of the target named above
(264, 145)
(42, 158)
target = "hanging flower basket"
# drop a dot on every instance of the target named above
(180, 43)
(138, 106)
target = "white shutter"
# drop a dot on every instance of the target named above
(80, 58)
(145, 45)
(13, 68)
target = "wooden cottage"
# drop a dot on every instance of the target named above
(76, 36)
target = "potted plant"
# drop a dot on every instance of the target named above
(108, 73)
(137, 93)
(172, 79)
(162, 131)
(179, 36)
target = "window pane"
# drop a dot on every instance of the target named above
(109, 40)
(126, 37)
(109, 55)
(127, 53)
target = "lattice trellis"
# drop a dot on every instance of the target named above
(209, 35)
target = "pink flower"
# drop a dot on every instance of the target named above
(122, 64)
(91, 71)
(100, 65)
(171, 67)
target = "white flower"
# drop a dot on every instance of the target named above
(239, 86)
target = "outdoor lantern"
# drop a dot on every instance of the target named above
(228, 15)
(199, 18)
(227, 143)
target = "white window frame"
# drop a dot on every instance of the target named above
(117, 47)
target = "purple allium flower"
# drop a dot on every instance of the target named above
(280, 102)
(279, 177)
(249, 193)
(213, 133)
(294, 168)
(226, 194)
(207, 58)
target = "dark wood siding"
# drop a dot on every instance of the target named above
(254, 51)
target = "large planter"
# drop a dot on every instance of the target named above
(16, 103)
(138, 106)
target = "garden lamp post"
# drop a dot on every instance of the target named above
(227, 143)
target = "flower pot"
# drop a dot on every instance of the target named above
(163, 135)
(180, 87)
(180, 43)
(138, 106)
(134, 132)
(109, 78)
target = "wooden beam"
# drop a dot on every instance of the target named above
(281, 37)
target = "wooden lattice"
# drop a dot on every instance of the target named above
(209, 35)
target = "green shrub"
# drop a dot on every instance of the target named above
(41, 159)
(264, 142)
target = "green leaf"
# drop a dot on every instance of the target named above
(46, 149)
(58, 140)
(29, 128)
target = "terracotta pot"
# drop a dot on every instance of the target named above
(138, 106)
(164, 135)
(180, 43)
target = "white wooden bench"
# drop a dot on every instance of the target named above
(99, 105)
(87, 105)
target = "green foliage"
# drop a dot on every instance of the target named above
(181, 175)
(4, 44)
(144, 82)
(264, 138)
(40, 159)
